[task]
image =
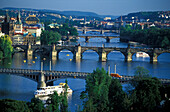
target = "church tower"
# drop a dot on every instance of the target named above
(18, 25)
(6, 24)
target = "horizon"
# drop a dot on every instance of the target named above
(83, 11)
(100, 7)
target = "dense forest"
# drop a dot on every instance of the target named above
(154, 37)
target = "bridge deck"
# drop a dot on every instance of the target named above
(64, 74)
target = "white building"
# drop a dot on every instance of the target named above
(35, 30)
(1, 34)
(107, 18)
(18, 39)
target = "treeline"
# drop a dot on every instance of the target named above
(154, 37)
(55, 103)
(49, 37)
(64, 30)
(104, 94)
(6, 48)
(52, 35)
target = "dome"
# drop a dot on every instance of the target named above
(32, 19)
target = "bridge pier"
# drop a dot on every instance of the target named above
(153, 58)
(87, 39)
(102, 56)
(128, 57)
(107, 39)
(77, 54)
(41, 81)
(101, 32)
(84, 31)
(29, 51)
(53, 53)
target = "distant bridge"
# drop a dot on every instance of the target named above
(47, 77)
(85, 29)
(103, 51)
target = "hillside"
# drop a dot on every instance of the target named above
(66, 13)
(150, 16)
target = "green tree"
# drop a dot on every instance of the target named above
(145, 93)
(49, 37)
(64, 103)
(165, 42)
(118, 100)
(53, 103)
(97, 88)
(1, 55)
(8, 105)
(6, 46)
(139, 74)
(36, 105)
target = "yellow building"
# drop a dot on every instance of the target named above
(32, 19)
(29, 38)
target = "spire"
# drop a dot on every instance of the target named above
(7, 17)
(121, 19)
(19, 17)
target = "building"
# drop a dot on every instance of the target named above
(107, 18)
(18, 24)
(29, 38)
(8, 26)
(32, 19)
(17, 39)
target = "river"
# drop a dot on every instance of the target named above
(20, 88)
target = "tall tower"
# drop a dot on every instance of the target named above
(5, 25)
(18, 25)
(19, 17)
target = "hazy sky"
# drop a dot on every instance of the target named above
(104, 7)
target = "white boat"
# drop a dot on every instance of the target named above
(45, 91)
(141, 54)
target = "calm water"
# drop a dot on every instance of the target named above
(20, 88)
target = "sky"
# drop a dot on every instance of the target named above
(102, 7)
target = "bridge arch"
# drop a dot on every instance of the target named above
(95, 52)
(67, 52)
(120, 55)
(165, 56)
(141, 56)
(20, 47)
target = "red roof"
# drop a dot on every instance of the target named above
(18, 33)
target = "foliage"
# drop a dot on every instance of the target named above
(140, 74)
(146, 93)
(53, 102)
(97, 88)
(49, 37)
(154, 37)
(64, 103)
(5, 47)
(1, 55)
(36, 105)
(66, 30)
(8, 105)
(118, 100)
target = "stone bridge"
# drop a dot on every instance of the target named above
(46, 77)
(107, 37)
(102, 31)
(102, 52)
